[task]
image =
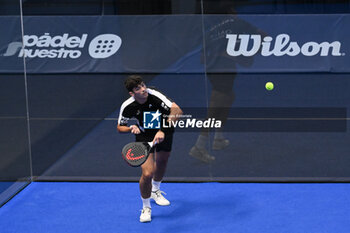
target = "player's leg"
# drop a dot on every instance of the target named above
(162, 155)
(146, 188)
(146, 177)
(160, 164)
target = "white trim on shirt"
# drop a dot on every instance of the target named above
(160, 96)
(124, 105)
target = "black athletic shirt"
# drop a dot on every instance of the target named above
(131, 109)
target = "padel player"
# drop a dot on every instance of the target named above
(149, 101)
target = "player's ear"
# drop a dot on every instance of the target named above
(131, 93)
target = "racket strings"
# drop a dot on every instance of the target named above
(135, 152)
(138, 150)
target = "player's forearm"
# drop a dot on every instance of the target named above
(123, 129)
(175, 112)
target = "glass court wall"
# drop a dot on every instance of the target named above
(15, 167)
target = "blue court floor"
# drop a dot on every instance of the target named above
(45, 207)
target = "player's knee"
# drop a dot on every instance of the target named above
(147, 175)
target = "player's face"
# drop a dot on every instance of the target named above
(140, 92)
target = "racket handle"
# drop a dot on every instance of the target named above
(151, 144)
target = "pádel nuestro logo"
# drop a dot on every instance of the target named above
(64, 46)
(104, 46)
(151, 120)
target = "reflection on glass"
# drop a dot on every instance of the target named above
(14, 154)
(221, 72)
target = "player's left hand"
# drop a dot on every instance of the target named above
(135, 129)
(159, 137)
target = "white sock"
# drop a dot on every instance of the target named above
(202, 141)
(155, 185)
(218, 135)
(146, 202)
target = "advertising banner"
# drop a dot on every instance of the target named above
(176, 44)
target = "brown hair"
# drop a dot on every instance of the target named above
(133, 81)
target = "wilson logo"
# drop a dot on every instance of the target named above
(249, 45)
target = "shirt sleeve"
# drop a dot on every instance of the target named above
(164, 104)
(124, 114)
(163, 101)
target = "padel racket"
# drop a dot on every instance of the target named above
(136, 153)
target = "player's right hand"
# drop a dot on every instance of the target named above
(135, 129)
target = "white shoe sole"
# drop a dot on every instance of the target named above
(145, 220)
(161, 203)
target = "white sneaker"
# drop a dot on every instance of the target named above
(145, 214)
(159, 198)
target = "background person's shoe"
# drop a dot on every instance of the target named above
(219, 144)
(201, 154)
